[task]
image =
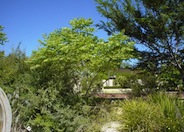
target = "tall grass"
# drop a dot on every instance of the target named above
(172, 108)
(158, 112)
(139, 115)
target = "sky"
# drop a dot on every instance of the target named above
(25, 21)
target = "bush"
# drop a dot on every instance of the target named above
(62, 120)
(143, 84)
(139, 115)
(122, 81)
(172, 109)
(157, 112)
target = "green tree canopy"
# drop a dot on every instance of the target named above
(158, 25)
(75, 57)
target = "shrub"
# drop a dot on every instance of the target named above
(157, 112)
(139, 115)
(122, 81)
(143, 84)
(172, 109)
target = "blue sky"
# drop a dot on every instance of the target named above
(26, 21)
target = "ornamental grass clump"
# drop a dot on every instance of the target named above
(139, 115)
(173, 110)
(157, 112)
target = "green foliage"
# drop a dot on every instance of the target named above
(49, 111)
(172, 110)
(143, 84)
(157, 112)
(170, 79)
(100, 114)
(123, 80)
(2, 36)
(63, 119)
(71, 62)
(47, 99)
(157, 25)
(125, 77)
(39, 107)
(139, 115)
(12, 66)
(75, 56)
(15, 79)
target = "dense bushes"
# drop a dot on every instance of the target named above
(47, 108)
(52, 90)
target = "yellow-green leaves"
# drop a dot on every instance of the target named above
(82, 24)
(78, 51)
(2, 36)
